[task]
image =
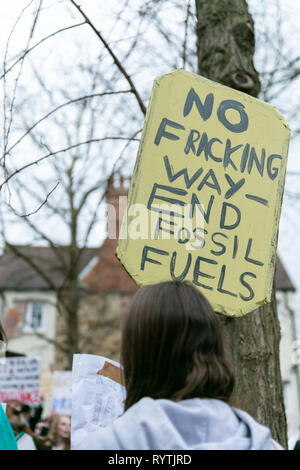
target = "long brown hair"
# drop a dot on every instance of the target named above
(172, 346)
(53, 435)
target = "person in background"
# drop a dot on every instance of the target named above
(26, 414)
(7, 437)
(52, 436)
(14, 414)
(59, 433)
(36, 414)
(178, 380)
(41, 428)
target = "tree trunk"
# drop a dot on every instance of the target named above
(72, 304)
(73, 285)
(225, 35)
(225, 32)
(253, 341)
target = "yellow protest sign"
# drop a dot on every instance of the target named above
(205, 198)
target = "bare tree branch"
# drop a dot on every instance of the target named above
(186, 23)
(4, 68)
(26, 52)
(40, 206)
(51, 154)
(76, 100)
(7, 130)
(115, 59)
(56, 249)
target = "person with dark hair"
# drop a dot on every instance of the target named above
(178, 380)
(35, 416)
(41, 428)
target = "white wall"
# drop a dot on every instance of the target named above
(29, 344)
(289, 371)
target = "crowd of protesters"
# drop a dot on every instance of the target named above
(51, 433)
(17, 419)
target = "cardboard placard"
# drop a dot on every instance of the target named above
(20, 379)
(205, 198)
(61, 402)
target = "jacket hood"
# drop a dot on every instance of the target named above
(192, 424)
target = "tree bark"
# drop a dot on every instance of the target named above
(225, 40)
(225, 32)
(71, 317)
(73, 283)
(253, 342)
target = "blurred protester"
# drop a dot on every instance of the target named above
(41, 428)
(60, 432)
(52, 434)
(13, 411)
(35, 416)
(25, 415)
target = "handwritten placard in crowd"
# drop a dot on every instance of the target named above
(20, 379)
(61, 402)
(205, 198)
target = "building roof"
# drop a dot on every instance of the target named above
(282, 280)
(108, 274)
(16, 273)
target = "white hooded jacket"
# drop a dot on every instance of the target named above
(193, 424)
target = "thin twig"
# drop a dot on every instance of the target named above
(115, 59)
(19, 75)
(186, 24)
(41, 205)
(4, 68)
(67, 103)
(37, 44)
(36, 162)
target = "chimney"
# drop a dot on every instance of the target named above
(108, 274)
(116, 199)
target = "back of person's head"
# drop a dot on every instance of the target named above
(172, 346)
(26, 411)
(25, 408)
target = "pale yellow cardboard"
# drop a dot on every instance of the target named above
(266, 129)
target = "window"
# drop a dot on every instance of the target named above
(34, 317)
